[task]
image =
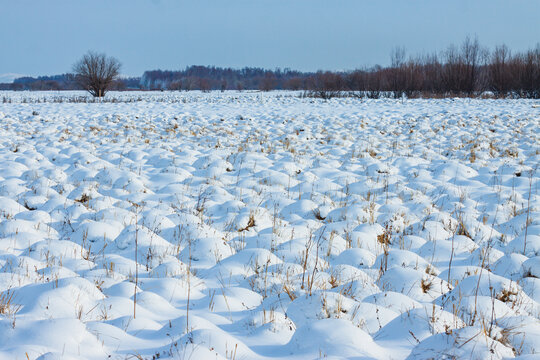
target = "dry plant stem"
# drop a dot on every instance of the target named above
(310, 283)
(136, 266)
(189, 284)
(7, 306)
(492, 320)
(451, 257)
(304, 265)
(137, 206)
(528, 212)
(482, 268)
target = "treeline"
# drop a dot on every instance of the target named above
(465, 70)
(468, 69)
(64, 82)
(208, 78)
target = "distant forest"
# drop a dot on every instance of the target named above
(465, 70)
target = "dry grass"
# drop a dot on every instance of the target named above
(386, 236)
(7, 306)
(250, 224)
(84, 199)
(317, 214)
(506, 295)
(425, 285)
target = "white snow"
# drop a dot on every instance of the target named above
(268, 226)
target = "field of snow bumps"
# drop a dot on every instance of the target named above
(265, 225)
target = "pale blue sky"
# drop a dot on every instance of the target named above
(43, 37)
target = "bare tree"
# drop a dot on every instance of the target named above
(397, 56)
(461, 72)
(268, 83)
(404, 77)
(432, 68)
(453, 71)
(499, 74)
(204, 85)
(374, 83)
(326, 85)
(476, 58)
(96, 72)
(528, 73)
(396, 75)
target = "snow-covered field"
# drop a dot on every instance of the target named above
(267, 226)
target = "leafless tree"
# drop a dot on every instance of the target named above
(268, 82)
(432, 68)
(527, 72)
(295, 83)
(396, 74)
(374, 83)
(499, 74)
(453, 70)
(175, 85)
(472, 55)
(96, 72)
(404, 77)
(326, 85)
(204, 85)
(397, 56)
(461, 72)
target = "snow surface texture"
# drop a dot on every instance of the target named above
(268, 226)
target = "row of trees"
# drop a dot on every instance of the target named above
(465, 70)
(215, 78)
(65, 82)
